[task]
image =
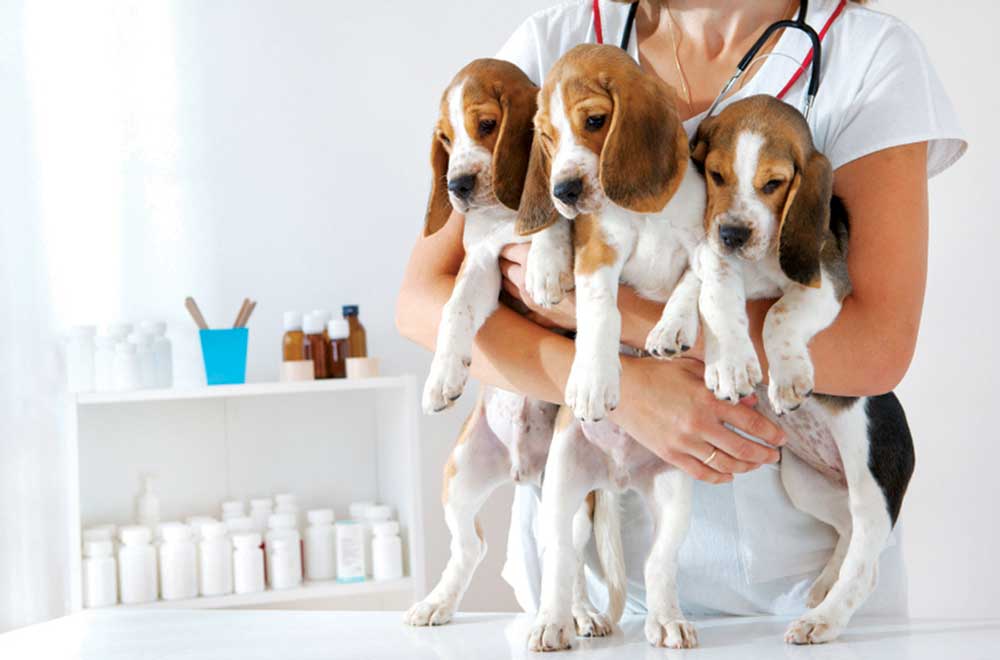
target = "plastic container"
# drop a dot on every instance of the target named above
(233, 509)
(147, 359)
(358, 339)
(163, 352)
(104, 363)
(215, 558)
(387, 551)
(147, 505)
(240, 525)
(288, 503)
(136, 566)
(100, 582)
(260, 511)
(178, 562)
(293, 347)
(320, 546)
(317, 345)
(350, 551)
(248, 563)
(100, 533)
(339, 330)
(225, 355)
(119, 331)
(126, 374)
(282, 528)
(80, 358)
(373, 513)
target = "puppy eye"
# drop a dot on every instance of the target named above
(771, 186)
(486, 127)
(717, 178)
(595, 122)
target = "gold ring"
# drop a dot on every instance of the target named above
(711, 457)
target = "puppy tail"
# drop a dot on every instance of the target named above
(608, 538)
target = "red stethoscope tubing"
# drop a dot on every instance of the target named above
(599, 33)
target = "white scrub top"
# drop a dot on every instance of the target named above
(749, 551)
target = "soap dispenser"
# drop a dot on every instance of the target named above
(147, 506)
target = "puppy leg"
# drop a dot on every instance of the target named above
(549, 270)
(472, 301)
(478, 464)
(589, 622)
(789, 326)
(677, 329)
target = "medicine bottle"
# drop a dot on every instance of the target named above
(163, 352)
(282, 528)
(240, 525)
(178, 562)
(248, 563)
(350, 551)
(317, 345)
(100, 582)
(147, 505)
(387, 551)
(260, 510)
(373, 515)
(358, 340)
(136, 565)
(320, 546)
(216, 560)
(147, 359)
(126, 374)
(80, 358)
(339, 331)
(293, 343)
(104, 363)
(233, 509)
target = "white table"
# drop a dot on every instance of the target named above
(121, 634)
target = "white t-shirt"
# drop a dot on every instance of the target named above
(749, 550)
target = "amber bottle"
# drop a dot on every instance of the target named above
(357, 340)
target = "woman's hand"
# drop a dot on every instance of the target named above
(666, 407)
(512, 263)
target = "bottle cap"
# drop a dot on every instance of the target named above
(125, 348)
(154, 328)
(378, 512)
(240, 525)
(261, 503)
(385, 528)
(248, 540)
(281, 521)
(196, 523)
(102, 533)
(97, 548)
(175, 532)
(293, 321)
(135, 535)
(286, 499)
(349, 310)
(320, 516)
(233, 509)
(82, 331)
(338, 329)
(213, 530)
(357, 509)
(312, 324)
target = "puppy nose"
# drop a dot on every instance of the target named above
(734, 236)
(462, 186)
(569, 191)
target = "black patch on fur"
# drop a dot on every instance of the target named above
(890, 449)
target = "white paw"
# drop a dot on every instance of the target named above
(734, 374)
(429, 613)
(445, 381)
(670, 632)
(550, 633)
(593, 388)
(673, 334)
(790, 382)
(548, 274)
(590, 623)
(812, 629)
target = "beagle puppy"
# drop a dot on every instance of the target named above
(479, 156)
(611, 154)
(775, 230)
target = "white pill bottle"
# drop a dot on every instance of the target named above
(387, 551)
(248, 563)
(100, 582)
(137, 565)
(178, 562)
(320, 546)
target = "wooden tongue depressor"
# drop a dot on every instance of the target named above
(192, 308)
(246, 316)
(238, 323)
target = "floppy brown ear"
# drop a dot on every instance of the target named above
(646, 151)
(537, 210)
(513, 147)
(804, 219)
(438, 206)
(702, 142)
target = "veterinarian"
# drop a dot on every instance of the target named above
(885, 122)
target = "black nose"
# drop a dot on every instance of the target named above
(569, 191)
(734, 236)
(462, 186)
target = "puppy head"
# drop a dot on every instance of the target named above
(482, 140)
(605, 132)
(768, 187)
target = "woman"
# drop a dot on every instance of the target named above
(884, 121)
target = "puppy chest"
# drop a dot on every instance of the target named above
(655, 266)
(810, 437)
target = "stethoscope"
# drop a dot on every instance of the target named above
(798, 23)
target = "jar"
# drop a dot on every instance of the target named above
(282, 527)
(293, 342)
(127, 375)
(178, 562)
(136, 565)
(260, 511)
(100, 582)
(248, 563)
(374, 514)
(288, 503)
(233, 509)
(320, 546)
(317, 345)
(80, 358)
(216, 560)
(387, 551)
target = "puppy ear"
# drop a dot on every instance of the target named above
(537, 210)
(513, 147)
(438, 206)
(702, 143)
(646, 151)
(804, 220)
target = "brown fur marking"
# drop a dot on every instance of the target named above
(592, 250)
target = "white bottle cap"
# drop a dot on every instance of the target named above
(82, 331)
(135, 535)
(175, 532)
(338, 329)
(312, 324)
(281, 521)
(154, 328)
(240, 525)
(357, 509)
(385, 528)
(293, 321)
(262, 503)
(248, 540)
(378, 512)
(97, 548)
(196, 523)
(320, 516)
(102, 533)
(286, 499)
(125, 348)
(233, 509)
(213, 530)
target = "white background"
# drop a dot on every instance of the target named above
(278, 150)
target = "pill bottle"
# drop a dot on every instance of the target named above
(358, 339)
(147, 359)
(126, 374)
(248, 563)
(260, 510)
(136, 565)
(317, 345)
(339, 331)
(100, 533)
(288, 503)
(178, 562)
(350, 551)
(163, 352)
(233, 509)
(320, 546)
(387, 551)
(282, 527)
(80, 358)
(216, 557)
(119, 331)
(100, 582)
(293, 342)
(240, 525)
(104, 363)
(373, 514)
(196, 523)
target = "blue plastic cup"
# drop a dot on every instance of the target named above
(225, 355)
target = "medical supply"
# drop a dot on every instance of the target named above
(293, 346)
(100, 582)
(100, 533)
(127, 375)
(241, 525)
(387, 551)
(365, 367)
(339, 331)
(282, 528)
(320, 545)
(373, 513)
(288, 503)
(195, 312)
(350, 551)
(178, 562)
(80, 358)
(104, 363)
(248, 563)
(119, 331)
(147, 359)
(147, 505)
(137, 566)
(358, 339)
(215, 556)
(260, 512)
(317, 345)
(163, 352)
(233, 509)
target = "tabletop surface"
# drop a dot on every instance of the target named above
(119, 634)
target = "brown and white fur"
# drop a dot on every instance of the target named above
(775, 230)
(611, 154)
(479, 157)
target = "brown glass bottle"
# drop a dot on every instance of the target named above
(317, 346)
(357, 340)
(339, 331)
(293, 346)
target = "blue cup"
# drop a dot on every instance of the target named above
(225, 355)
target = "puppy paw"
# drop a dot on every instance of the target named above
(548, 274)
(593, 388)
(550, 633)
(672, 335)
(790, 382)
(734, 374)
(590, 623)
(429, 613)
(812, 629)
(445, 382)
(670, 632)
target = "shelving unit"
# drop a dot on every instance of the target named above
(330, 442)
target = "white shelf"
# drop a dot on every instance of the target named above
(308, 591)
(249, 389)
